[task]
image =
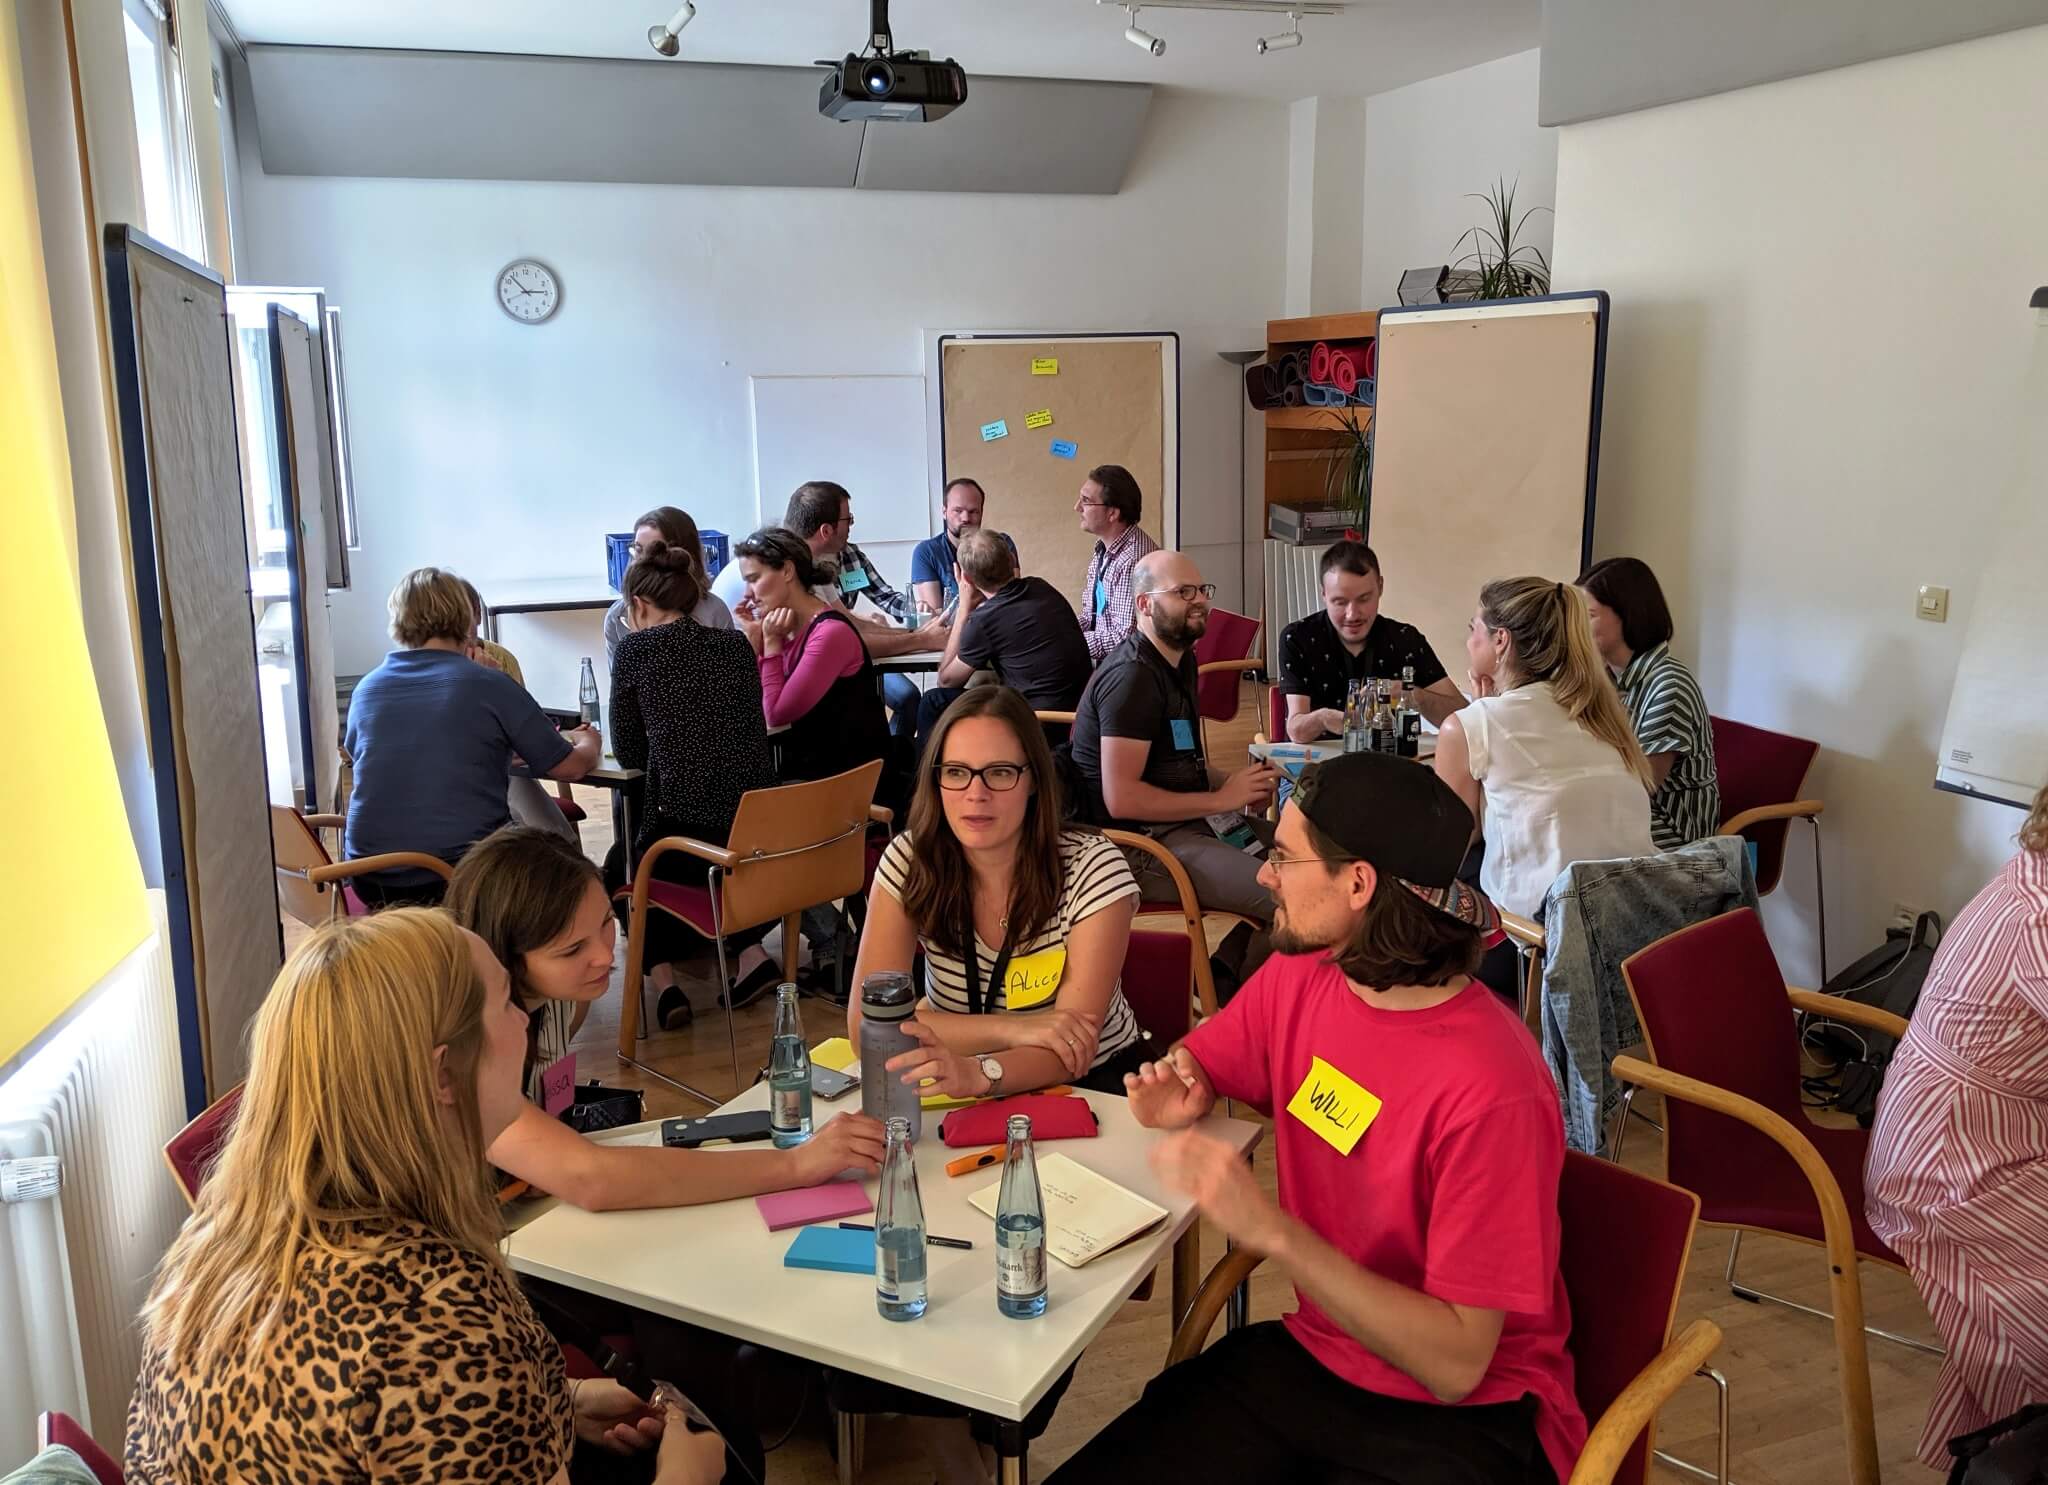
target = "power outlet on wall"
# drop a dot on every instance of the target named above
(1904, 916)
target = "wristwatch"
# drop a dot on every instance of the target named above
(993, 1071)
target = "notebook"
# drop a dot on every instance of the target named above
(838, 1250)
(838, 1054)
(1086, 1215)
(823, 1203)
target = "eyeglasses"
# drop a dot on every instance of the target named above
(1084, 500)
(1280, 860)
(1001, 777)
(1189, 592)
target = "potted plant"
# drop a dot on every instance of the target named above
(1347, 485)
(1500, 264)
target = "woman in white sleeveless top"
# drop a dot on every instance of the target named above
(1544, 755)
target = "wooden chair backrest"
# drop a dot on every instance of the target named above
(298, 850)
(798, 845)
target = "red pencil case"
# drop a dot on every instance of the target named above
(989, 1123)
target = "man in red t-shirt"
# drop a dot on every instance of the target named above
(1419, 1148)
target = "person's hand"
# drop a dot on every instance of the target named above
(475, 650)
(688, 1456)
(1249, 788)
(1331, 719)
(933, 1063)
(1223, 1187)
(1481, 685)
(1068, 1035)
(1168, 1094)
(583, 731)
(748, 617)
(933, 632)
(846, 1141)
(613, 1418)
(969, 594)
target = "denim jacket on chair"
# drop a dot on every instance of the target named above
(1596, 915)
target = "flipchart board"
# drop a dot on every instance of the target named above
(1485, 448)
(174, 386)
(1110, 399)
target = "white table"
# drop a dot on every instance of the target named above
(906, 664)
(544, 596)
(717, 1266)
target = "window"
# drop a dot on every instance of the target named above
(163, 134)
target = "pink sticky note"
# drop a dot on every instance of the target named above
(782, 1209)
(558, 1084)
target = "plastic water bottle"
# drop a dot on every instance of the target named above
(899, 1231)
(789, 1074)
(1020, 1228)
(886, 1002)
(586, 693)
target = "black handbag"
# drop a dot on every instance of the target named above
(2012, 1451)
(1888, 977)
(598, 1108)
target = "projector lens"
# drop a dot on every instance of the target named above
(878, 79)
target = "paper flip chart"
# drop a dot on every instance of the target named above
(1061, 449)
(990, 432)
(1045, 365)
(1040, 419)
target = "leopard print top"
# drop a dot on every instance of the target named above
(421, 1362)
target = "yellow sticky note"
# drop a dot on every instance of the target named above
(837, 1053)
(1045, 365)
(1034, 979)
(1338, 1110)
(1039, 419)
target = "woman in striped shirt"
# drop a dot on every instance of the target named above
(1957, 1178)
(1023, 921)
(1632, 631)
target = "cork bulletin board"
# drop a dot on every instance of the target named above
(1110, 399)
(1486, 440)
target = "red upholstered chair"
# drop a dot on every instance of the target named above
(1625, 1239)
(1718, 1023)
(565, 801)
(191, 1151)
(1186, 906)
(1761, 775)
(63, 1429)
(1227, 651)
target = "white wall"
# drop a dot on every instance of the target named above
(1428, 145)
(1813, 384)
(506, 451)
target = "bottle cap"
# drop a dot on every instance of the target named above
(888, 996)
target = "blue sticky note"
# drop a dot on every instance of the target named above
(853, 580)
(990, 432)
(1101, 597)
(1061, 449)
(1183, 734)
(838, 1250)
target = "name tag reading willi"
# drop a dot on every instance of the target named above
(1335, 1108)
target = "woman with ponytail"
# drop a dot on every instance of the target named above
(1544, 756)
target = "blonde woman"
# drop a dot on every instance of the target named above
(336, 1307)
(1544, 756)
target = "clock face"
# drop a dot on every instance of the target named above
(529, 291)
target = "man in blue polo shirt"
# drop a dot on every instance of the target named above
(935, 560)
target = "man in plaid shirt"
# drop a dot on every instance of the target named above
(1109, 506)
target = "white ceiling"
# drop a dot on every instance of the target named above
(1374, 46)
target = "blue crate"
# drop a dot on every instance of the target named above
(618, 553)
(717, 551)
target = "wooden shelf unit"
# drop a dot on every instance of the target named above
(1301, 440)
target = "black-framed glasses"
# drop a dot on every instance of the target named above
(1001, 777)
(1189, 592)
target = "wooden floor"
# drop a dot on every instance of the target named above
(1779, 1364)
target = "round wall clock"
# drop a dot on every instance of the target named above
(529, 291)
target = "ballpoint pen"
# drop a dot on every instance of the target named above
(931, 1240)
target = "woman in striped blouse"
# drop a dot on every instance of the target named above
(1023, 920)
(1632, 631)
(1957, 1179)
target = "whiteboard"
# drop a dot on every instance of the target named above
(1994, 744)
(864, 432)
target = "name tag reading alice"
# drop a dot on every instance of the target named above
(1335, 1108)
(1033, 979)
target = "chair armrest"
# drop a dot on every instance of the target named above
(1066, 717)
(1190, 911)
(325, 822)
(1616, 1430)
(357, 866)
(702, 849)
(1524, 931)
(1231, 1270)
(1249, 664)
(1850, 1012)
(881, 814)
(1798, 809)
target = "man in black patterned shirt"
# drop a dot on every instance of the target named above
(1350, 640)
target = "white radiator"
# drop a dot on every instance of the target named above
(102, 1097)
(1293, 591)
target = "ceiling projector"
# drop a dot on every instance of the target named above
(884, 84)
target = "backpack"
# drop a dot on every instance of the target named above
(1890, 978)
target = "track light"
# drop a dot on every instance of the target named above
(1286, 39)
(1140, 38)
(663, 38)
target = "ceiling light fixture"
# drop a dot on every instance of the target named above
(1286, 39)
(1139, 38)
(663, 38)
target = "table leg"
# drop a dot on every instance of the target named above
(1012, 1466)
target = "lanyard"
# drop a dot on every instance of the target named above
(978, 1000)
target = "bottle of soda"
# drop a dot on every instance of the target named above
(1020, 1228)
(1356, 739)
(789, 1074)
(899, 1230)
(1409, 718)
(586, 692)
(1382, 719)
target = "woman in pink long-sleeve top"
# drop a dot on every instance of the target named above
(1957, 1180)
(816, 677)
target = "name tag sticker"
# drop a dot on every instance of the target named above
(853, 579)
(1101, 596)
(1040, 419)
(1045, 365)
(1333, 1107)
(1183, 734)
(558, 1084)
(990, 432)
(1033, 979)
(1062, 449)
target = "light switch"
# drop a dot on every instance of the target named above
(1933, 604)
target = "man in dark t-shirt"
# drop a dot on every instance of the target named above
(1022, 628)
(1351, 640)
